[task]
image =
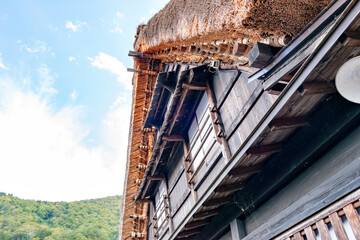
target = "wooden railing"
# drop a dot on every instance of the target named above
(329, 223)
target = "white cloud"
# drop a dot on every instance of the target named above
(46, 81)
(71, 59)
(75, 27)
(116, 23)
(74, 95)
(4, 17)
(2, 64)
(35, 46)
(119, 14)
(43, 155)
(112, 64)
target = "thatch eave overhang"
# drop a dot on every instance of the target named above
(165, 83)
(173, 122)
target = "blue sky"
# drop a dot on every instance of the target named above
(65, 95)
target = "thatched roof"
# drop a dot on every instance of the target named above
(184, 22)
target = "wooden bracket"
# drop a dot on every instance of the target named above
(206, 214)
(233, 187)
(173, 138)
(196, 224)
(317, 88)
(240, 171)
(285, 123)
(195, 86)
(352, 39)
(155, 178)
(216, 202)
(265, 149)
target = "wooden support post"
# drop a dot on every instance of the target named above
(195, 86)
(317, 88)
(233, 187)
(237, 229)
(240, 171)
(266, 149)
(285, 123)
(217, 122)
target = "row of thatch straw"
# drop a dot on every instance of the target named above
(184, 22)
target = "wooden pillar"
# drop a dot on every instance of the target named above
(188, 175)
(237, 229)
(217, 122)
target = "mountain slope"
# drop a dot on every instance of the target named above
(88, 219)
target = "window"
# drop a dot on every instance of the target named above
(201, 135)
(160, 210)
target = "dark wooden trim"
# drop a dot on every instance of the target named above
(265, 149)
(240, 171)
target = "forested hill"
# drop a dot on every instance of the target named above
(89, 219)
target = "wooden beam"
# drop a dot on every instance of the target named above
(195, 86)
(196, 224)
(317, 88)
(134, 70)
(216, 202)
(137, 54)
(230, 187)
(206, 214)
(265, 149)
(285, 123)
(261, 54)
(236, 172)
(188, 233)
(173, 138)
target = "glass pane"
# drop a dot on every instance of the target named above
(198, 159)
(204, 103)
(209, 141)
(206, 129)
(196, 147)
(193, 130)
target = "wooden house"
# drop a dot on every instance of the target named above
(238, 130)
